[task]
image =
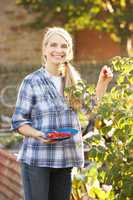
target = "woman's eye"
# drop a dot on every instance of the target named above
(53, 45)
(64, 46)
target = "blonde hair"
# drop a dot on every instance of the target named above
(70, 74)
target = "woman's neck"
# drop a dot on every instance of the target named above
(53, 70)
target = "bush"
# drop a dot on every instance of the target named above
(111, 147)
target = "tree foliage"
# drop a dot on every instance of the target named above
(114, 17)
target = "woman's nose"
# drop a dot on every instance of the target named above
(59, 49)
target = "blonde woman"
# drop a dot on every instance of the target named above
(41, 105)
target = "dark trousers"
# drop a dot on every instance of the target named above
(41, 183)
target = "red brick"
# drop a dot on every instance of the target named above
(10, 178)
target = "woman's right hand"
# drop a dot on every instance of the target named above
(29, 131)
(40, 136)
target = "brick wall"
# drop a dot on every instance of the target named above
(95, 45)
(10, 180)
(19, 45)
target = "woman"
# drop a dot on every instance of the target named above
(41, 105)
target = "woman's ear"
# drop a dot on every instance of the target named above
(69, 55)
(44, 59)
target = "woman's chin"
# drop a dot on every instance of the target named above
(58, 62)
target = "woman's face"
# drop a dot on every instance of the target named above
(56, 50)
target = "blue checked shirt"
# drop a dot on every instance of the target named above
(40, 105)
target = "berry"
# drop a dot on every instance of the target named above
(105, 72)
(55, 135)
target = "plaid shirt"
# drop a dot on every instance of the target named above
(40, 105)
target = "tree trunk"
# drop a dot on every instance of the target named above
(124, 48)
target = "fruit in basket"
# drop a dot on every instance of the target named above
(56, 135)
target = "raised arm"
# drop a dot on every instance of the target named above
(104, 79)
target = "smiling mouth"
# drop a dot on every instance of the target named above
(58, 56)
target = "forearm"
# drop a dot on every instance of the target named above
(105, 77)
(28, 131)
(101, 89)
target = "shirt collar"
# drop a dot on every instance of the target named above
(47, 74)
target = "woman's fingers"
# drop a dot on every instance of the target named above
(41, 137)
(43, 140)
(106, 73)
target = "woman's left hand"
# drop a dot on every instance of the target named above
(106, 75)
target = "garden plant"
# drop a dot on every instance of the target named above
(109, 174)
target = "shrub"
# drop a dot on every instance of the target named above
(111, 145)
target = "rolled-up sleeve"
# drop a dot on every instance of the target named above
(22, 113)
